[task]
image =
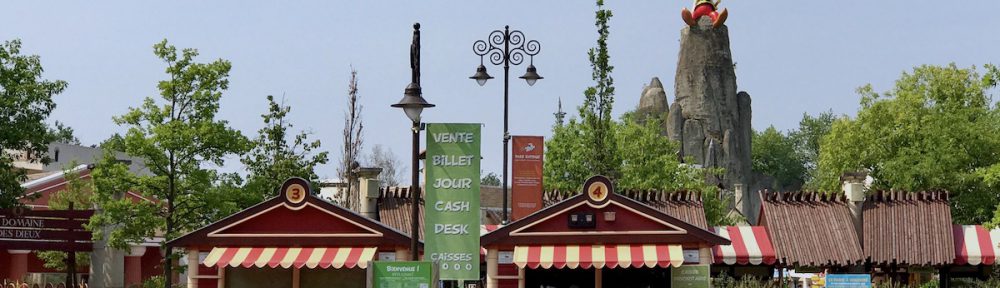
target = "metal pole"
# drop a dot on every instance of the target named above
(506, 132)
(415, 194)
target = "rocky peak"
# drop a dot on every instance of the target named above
(653, 101)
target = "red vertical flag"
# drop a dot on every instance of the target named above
(526, 191)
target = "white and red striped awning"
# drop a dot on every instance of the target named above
(260, 257)
(975, 245)
(599, 256)
(750, 245)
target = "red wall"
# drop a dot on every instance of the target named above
(151, 263)
(4, 263)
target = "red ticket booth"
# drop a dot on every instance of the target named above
(595, 239)
(294, 240)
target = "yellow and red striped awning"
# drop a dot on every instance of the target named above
(309, 257)
(599, 256)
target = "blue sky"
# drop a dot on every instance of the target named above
(791, 57)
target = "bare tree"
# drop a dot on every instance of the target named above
(353, 140)
(392, 168)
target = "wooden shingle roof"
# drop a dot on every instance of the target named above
(810, 229)
(905, 228)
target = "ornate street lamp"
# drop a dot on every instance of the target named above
(413, 104)
(508, 48)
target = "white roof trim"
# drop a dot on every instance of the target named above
(43, 180)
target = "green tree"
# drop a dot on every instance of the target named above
(775, 154)
(807, 141)
(991, 177)
(79, 192)
(595, 113)
(274, 159)
(61, 133)
(649, 162)
(176, 137)
(25, 103)
(490, 179)
(935, 129)
(565, 166)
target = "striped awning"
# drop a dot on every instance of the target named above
(750, 245)
(975, 245)
(599, 256)
(260, 257)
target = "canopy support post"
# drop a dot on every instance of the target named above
(491, 268)
(598, 278)
(192, 268)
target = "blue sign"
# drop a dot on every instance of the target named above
(848, 281)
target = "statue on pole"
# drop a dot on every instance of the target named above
(705, 8)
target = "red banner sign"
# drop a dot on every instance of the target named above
(526, 191)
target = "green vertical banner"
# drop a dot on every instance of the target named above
(451, 208)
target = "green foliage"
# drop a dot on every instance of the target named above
(934, 130)
(775, 154)
(155, 282)
(273, 159)
(490, 179)
(745, 282)
(807, 140)
(991, 178)
(25, 103)
(61, 133)
(176, 137)
(79, 193)
(649, 162)
(595, 113)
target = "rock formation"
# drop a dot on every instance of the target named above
(708, 117)
(653, 102)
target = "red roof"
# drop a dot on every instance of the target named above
(643, 224)
(277, 222)
(684, 205)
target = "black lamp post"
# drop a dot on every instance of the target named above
(508, 48)
(413, 104)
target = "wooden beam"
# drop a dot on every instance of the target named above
(45, 245)
(68, 214)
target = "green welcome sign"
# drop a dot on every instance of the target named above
(690, 276)
(403, 274)
(451, 206)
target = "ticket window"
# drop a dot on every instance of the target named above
(339, 278)
(560, 278)
(258, 277)
(308, 278)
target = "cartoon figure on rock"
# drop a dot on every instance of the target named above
(705, 8)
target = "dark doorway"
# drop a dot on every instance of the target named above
(636, 277)
(560, 278)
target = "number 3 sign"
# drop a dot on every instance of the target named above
(295, 190)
